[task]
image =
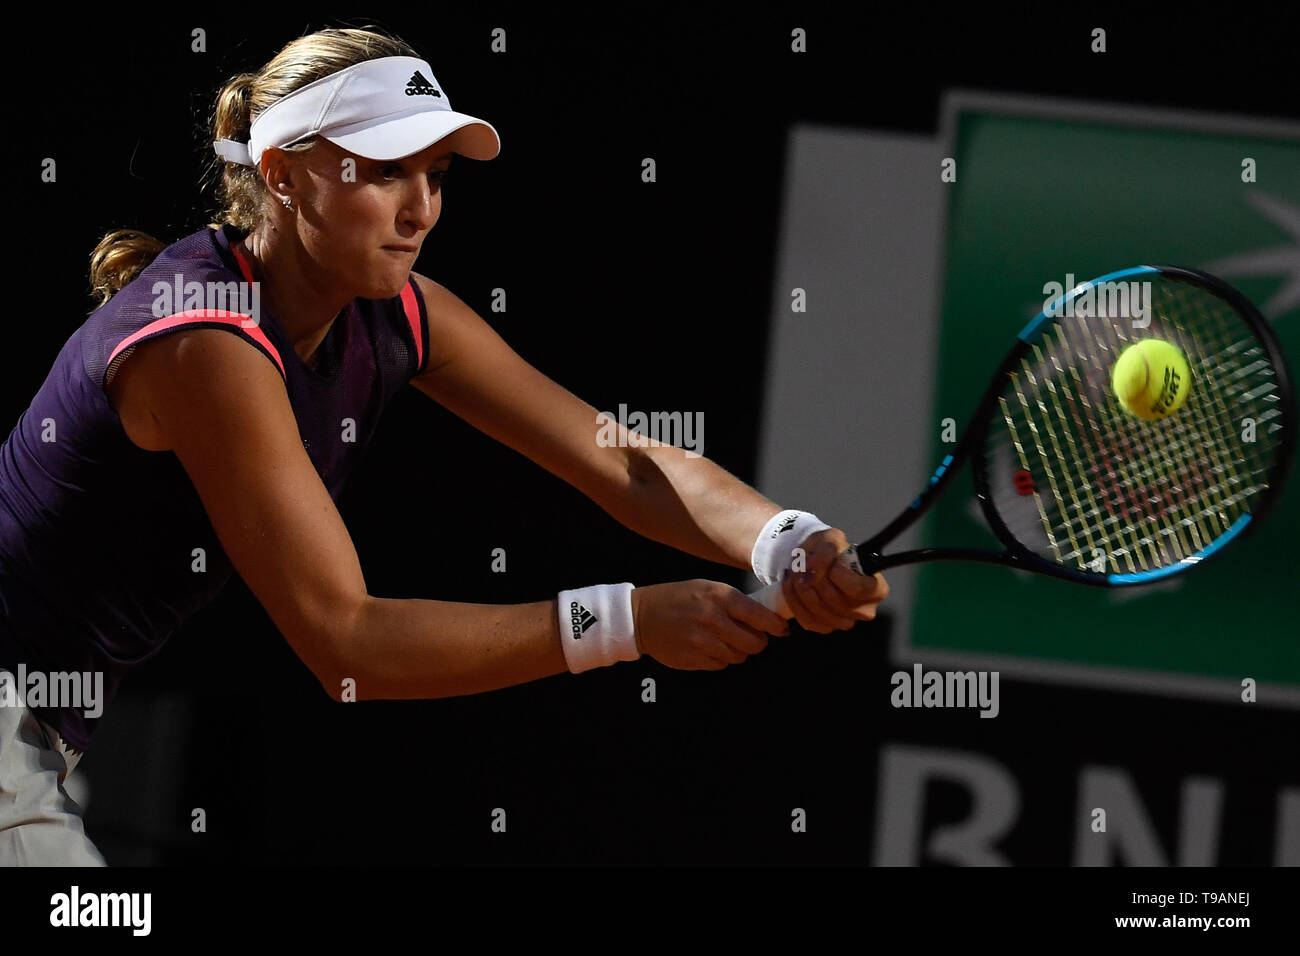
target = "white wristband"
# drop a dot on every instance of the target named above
(776, 542)
(596, 626)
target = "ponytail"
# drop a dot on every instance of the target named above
(124, 253)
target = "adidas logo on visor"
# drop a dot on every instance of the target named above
(417, 85)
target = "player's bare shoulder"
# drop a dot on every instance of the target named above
(128, 390)
(427, 286)
(437, 298)
(175, 367)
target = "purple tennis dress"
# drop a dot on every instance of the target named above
(97, 536)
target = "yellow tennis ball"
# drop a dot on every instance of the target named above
(1151, 379)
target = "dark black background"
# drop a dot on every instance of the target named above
(655, 295)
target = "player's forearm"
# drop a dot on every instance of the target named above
(693, 505)
(398, 649)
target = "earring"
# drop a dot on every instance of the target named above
(288, 203)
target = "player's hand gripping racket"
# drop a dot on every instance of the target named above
(1076, 485)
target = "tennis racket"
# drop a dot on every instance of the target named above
(1075, 487)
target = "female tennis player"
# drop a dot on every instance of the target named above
(178, 440)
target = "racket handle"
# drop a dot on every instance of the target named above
(772, 597)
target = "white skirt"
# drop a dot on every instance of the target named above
(40, 824)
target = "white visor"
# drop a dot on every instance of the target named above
(380, 109)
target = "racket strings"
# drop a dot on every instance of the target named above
(1096, 480)
(1076, 520)
(1174, 489)
(1186, 486)
(1112, 493)
(1158, 479)
(1139, 481)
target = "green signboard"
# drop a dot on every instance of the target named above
(1047, 191)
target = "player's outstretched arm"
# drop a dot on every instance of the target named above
(222, 409)
(689, 503)
(684, 501)
(220, 406)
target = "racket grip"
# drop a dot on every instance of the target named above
(772, 597)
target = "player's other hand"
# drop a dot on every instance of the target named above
(701, 624)
(828, 596)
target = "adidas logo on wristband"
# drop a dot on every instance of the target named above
(785, 525)
(580, 619)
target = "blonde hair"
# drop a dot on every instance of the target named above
(123, 253)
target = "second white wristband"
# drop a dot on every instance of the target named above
(774, 548)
